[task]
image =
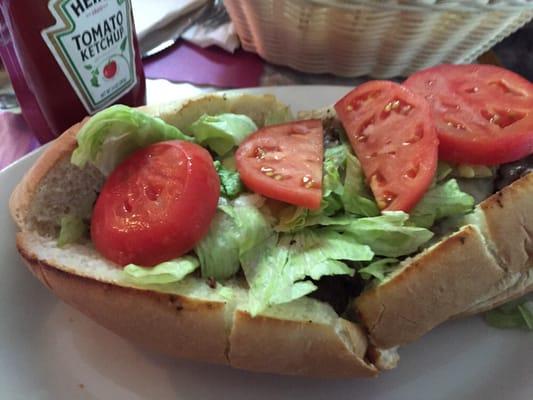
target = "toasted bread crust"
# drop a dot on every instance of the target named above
(508, 224)
(433, 287)
(170, 324)
(299, 347)
(185, 327)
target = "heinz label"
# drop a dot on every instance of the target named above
(92, 42)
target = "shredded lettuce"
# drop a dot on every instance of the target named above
(72, 230)
(388, 234)
(277, 268)
(222, 132)
(443, 200)
(379, 269)
(114, 133)
(334, 165)
(166, 272)
(230, 182)
(218, 251)
(356, 198)
(517, 314)
(254, 227)
(292, 219)
(234, 230)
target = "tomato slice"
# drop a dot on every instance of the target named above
(284, 162)
(156, 205)
(392, 133)
(483, 113)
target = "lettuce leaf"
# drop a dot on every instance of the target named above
(222, 132)
(218, 251)
(334, 165)
(277, 268)
(114, 133)
(234, 230)
(166, 272)
(387, 235)
(379, 269)
(72, 230)
(441, 201)
(517, 314)
(253, 227)
(356, 198)
(230, 182)
(292, 219)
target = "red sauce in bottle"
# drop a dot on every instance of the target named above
(70, 58)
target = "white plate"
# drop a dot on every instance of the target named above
(50, 351)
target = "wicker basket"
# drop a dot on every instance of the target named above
(380, 38)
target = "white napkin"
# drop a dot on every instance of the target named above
(223, 36)
(150, 16)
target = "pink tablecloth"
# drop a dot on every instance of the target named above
(15, 138)
(185, 62)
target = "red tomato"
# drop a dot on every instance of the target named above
(284, 162)
(392, 133)
(156, 205)
(110, 69)
(483, 113)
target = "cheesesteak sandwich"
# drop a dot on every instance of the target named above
(222, 229)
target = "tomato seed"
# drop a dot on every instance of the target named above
(307, 181)
(278, 177)
(259, 153)
(268, 171)
(388, 197)
(502, 119)
(397, 106)
(456, 125)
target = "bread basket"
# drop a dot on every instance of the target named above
(380, 38)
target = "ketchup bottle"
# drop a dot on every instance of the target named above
(70, 58)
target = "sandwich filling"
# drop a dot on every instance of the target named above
(284, 251)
